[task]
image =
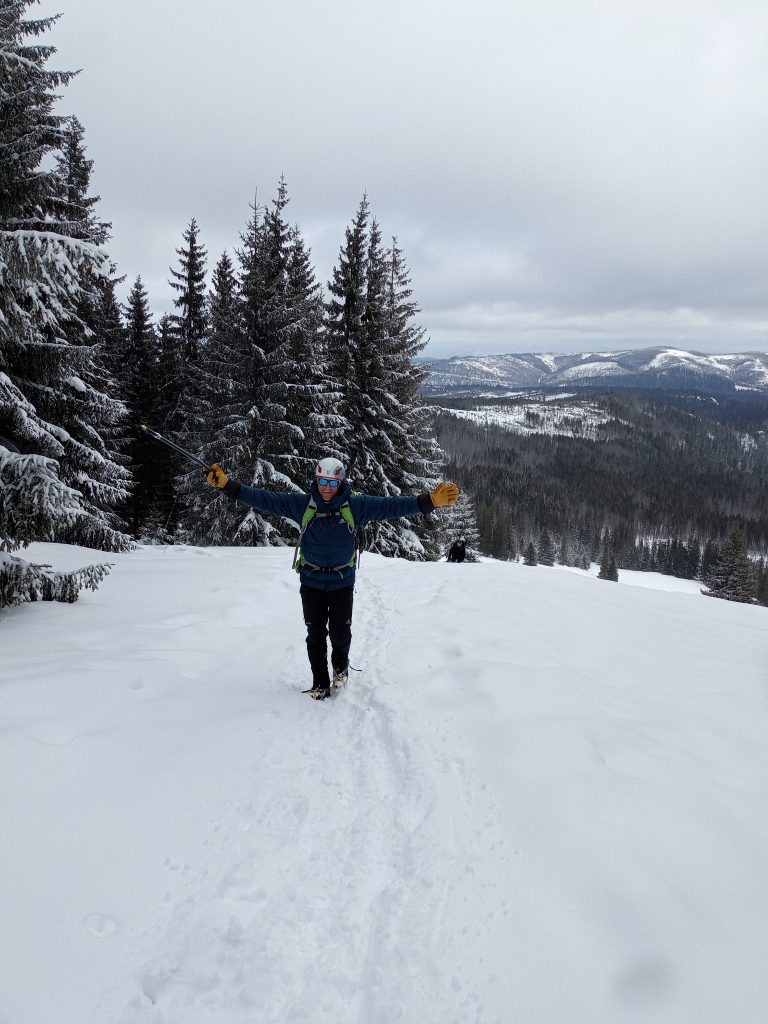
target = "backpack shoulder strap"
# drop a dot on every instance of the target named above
(309, 514)
(346, 515)
(349, 519)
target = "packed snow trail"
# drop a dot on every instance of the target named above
(542, 800)
(324, 888)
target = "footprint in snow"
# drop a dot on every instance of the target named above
(102, 926)
(52, 734)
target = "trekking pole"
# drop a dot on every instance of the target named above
(177, 448)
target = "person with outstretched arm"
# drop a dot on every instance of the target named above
(330, 517)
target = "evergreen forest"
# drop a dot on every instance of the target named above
(660, 484)
(255, 364)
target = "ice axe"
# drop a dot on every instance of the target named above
(177, 448)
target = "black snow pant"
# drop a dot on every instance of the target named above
(327, 613)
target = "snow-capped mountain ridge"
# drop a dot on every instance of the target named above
(664, 368)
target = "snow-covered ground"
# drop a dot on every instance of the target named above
(543, 800)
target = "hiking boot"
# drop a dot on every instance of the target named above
(319, 692)
(339, 678)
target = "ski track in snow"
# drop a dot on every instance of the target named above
(331, 881)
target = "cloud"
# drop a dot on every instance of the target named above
(582, 169)
(503, 328)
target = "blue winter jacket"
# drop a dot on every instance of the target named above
(328, 541)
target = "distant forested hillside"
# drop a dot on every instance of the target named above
(662, 486)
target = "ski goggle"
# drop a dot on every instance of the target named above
(322, 482)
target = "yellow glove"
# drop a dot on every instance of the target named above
(217, 477)
(445, 494)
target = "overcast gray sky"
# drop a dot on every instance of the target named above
(562, 176)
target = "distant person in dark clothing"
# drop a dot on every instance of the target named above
(458, 551)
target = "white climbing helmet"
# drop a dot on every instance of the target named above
(330, 469)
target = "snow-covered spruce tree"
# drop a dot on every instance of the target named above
(49, 399)
(219, 385)
(34, 505)
(169, 371)
(286, 310)
(546, 549)
(369, 332)
(312, 396)
(374, 412)
(463, 523)
(420, 456)
(112, 334)
(564, 556)
(185, 332)
(190, 324)
(99, 414)
(345, 332)
(182, 336)
(709, 558)
(110, 331)
(160, 524)
(581, 554)
(264, 439)
(733, 576)
(74, 170)
(141, 395)
(608, 569)
(529, 558)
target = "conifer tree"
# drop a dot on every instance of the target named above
(546, 550)
(371, 340)
(564, 556)
(312, 395)
(96, 420)
(379, 445)
(512, 552)
(346, 337)
(34, 506)
(263, 441)
(181, 339)
(190, 324)
(110, 331)
(273, 436)
(420, 456)
(608, 569)
(141, 394)
(183, 334)
(168, 386)
(733, 576)
(582, 559)
(51, 402)
(463, 523)
(98, 308)
(693, 567)
(74, 170)
(709, 558)
(529, 558)
(219, 389)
